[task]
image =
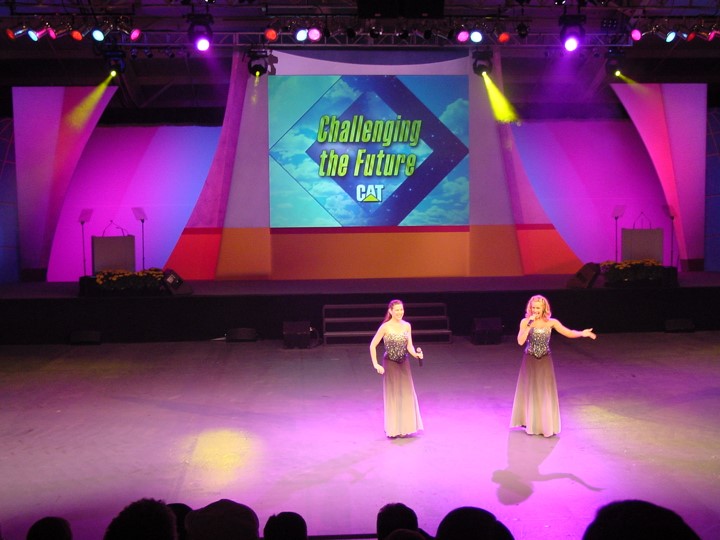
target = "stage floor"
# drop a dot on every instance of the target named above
(88, 429)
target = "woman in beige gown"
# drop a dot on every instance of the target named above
(536, 406)
(402, 413)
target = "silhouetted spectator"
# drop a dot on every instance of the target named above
(181, 510)
(638, 520)
(394, 516)
(471, 523)
(50, 528)
(144, 519)
(405, 534)
(223, 520)
(285, 526)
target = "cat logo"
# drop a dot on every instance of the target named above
(369, 194)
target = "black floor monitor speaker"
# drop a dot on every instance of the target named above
(296, 334)
(85, 337)
(241, 334)
(585, 277)
(486, 331)
(679, 325)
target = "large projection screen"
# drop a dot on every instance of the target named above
(368, 151)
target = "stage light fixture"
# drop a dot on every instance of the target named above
(115, 61)
(78, 34)
(375, 32)
(522, 30)
(301, 34)
(258, 63)
(123, 25)
(200, 32)
(482, 62)
(702, 32)
(687, 33)
(613, 61)
(99, 33)
(17, 31)
(572, 32)
(41, 31)
(314, 34)
(476, 35)
(350, 32)
(63, 29)
(667, 35)
(501, 34)
(462, 35)
(272, 32)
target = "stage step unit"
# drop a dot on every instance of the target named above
(357, 323)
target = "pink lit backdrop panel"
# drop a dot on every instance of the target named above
(52, 126)
(580, 171)
(161, 170)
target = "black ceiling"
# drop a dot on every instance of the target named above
(166, 81)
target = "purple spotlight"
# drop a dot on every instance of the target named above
(636, 34)
(314, 34)
(462, 36)
(202, 44)
(571, 43)
(135, 34)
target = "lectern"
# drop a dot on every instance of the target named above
(113, 253)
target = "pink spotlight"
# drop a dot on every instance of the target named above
(462, 36)
(314, 34)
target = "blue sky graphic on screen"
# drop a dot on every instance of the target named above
(368, 151)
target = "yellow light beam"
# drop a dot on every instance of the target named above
(80, 115)
(502, 109)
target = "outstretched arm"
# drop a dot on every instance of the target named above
(588, 332)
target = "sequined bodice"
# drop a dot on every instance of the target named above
(538, 342)
(395, 345)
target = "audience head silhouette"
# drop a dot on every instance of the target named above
(394, 516)
(285, 526)
(144, 519)
(223, 520)
(181, 510)
(638, 520)
(405, 534)
(471, 523)
(49, 528)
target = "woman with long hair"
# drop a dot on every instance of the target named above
(536, 406)
(402, 413)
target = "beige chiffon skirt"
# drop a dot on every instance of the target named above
(536, 406)
(402, 413)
